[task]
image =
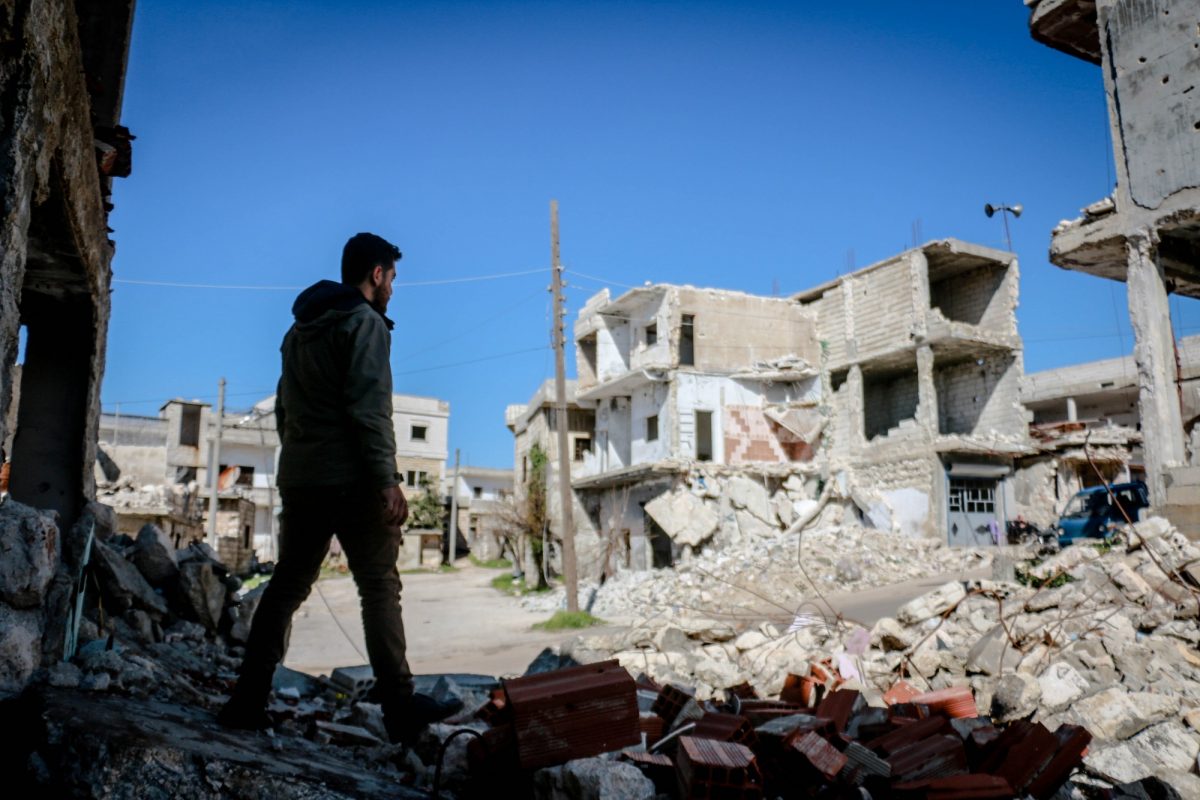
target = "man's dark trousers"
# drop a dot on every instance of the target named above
(311, 516)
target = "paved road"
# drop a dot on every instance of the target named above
(455, 622)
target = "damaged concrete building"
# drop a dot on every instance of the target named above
(1147, 233)
(689, 387)
(482, 496)
(1095, 405)
(62, 74)
(922, 363)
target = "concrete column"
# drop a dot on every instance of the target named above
(1072, 411)
(1153, 352)
(927, 404)
(856, 411)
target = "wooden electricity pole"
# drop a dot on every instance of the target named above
(570, 575)
(214, 472)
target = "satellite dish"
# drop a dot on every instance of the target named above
(1017, 209)
(989, 209)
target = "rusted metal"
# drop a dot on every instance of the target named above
(573, 713)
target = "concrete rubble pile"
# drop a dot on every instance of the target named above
(1101, 635)
(158, 645)
(738, 576)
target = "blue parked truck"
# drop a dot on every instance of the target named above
(1092, 514)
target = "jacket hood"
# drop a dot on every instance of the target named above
(326, 296)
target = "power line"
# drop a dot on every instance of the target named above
(248, 287)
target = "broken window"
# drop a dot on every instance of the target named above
(245, 475)
(477, 491)
(587, 364)
(704, 436)
(583, 445)
(652, 428)
(687, 341)
(651, 334)
(417, 433)
(888, 400)
(189, 426)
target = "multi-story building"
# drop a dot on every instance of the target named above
(482, 496)
(679, 376)
(923, 363)
(173, 451)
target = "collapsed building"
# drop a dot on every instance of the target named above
(922, 366)
(1086, 425)
(1146, 233)
(689, 387)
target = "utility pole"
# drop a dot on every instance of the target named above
(214, 467)
(453, 540)
(564, 457)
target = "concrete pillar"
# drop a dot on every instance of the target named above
(1072, 411)
(927, 404)
(1154, 354)
(856, 409)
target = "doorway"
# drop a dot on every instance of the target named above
(972, 518)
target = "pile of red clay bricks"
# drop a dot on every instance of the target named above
(806, 744)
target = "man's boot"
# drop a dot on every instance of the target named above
(246, 708)
(406, 718)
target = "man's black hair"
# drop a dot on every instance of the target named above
(362, 253)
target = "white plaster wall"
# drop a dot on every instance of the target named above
(437, 434)
(611, 447)
(612, 349)
(648, 400)
(695, 392)
(658, 354)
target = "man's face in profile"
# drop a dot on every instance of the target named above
(383, 289)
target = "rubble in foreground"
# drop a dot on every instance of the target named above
(1101, 635)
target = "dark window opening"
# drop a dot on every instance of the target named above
(185, 474)
(662, 551)
(583, 445)
(477, 491)
(704, 436)
(189, 426)
(418, 433)
(651, 334)
(245, 475)
(687, 341)
(652, 428)
(246, 536)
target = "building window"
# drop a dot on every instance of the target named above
(687, 341)
(583, 444)
(704, 436)
(189, 426)
(652, 428)
(415, 478)
(478, 491)
(417, 433)
(651, 334)
(244, 476)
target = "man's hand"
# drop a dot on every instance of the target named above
(395, 507)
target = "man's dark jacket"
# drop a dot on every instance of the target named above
(333, 408)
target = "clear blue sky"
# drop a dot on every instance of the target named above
(737, 145)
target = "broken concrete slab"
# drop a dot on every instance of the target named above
(750, 495)
(123, 586)
(683, 516)
(154, 555)
(243, 613)
(933, 604)
(201, 593)
(1061, 685)
(1115, 714)
(593, 779)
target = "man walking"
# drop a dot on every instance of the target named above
(337, 475)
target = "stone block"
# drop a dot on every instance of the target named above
(201, 593)
(29, 544)
(123, 586)
(933, 604)
(20, 646)
(1061, 685)
(1115, 714)
(683, 516)
(154, 555)
(749, 494)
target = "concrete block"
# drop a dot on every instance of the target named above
(1183, 495)
(1185, 518)
(1184, 476)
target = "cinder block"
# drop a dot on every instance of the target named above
(1186, 519)
(1184, 476)
(1183, 496)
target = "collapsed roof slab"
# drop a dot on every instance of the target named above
(1067, 25)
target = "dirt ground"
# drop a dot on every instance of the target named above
(454, 621)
